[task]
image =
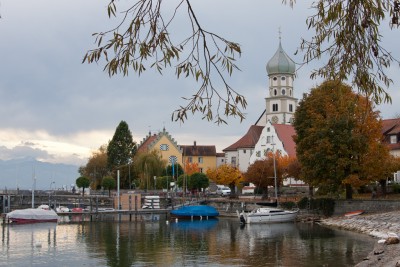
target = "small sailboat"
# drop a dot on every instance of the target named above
(270, 214)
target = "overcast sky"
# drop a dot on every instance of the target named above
(56, 109)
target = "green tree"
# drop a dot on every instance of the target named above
(108, 183)
(198, 181)
(347, 32)
(337, 133)
(120, 152)
(174, 171)
(82, 182)
(96, 167)
(148, 165)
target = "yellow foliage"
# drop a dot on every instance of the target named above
(226, 175)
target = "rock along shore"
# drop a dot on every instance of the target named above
(378, 225)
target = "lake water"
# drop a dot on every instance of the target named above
(152, 241)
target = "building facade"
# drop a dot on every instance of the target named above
(204, 156)
(273, 129)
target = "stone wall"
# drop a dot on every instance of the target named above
(370, 206)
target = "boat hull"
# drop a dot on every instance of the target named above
(195, 212)
(26, 221)
(354, 213)
(265, 215)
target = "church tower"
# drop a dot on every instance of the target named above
(280, 102)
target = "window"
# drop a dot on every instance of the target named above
(172, 159)
(244, 151)
(283, 78)
(275, 92)
(258, 153)
(164, 147)
(275, 78)
(393, 139)
(201, 170)
(268, 129)
(290, 92)
(200, 159)
(290, 107)
(233, 161)
(283, 92)
(274, 107)
(268, 139)
(190, 159)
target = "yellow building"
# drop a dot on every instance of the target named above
(204, 156)
(164, 144)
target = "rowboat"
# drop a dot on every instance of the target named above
(354, 213)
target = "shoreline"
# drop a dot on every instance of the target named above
(377, 225)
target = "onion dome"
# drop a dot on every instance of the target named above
(281, 63)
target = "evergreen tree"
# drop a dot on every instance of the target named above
(121, 148)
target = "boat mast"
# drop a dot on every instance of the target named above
(33, 188)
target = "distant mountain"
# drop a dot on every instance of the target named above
(20, 173)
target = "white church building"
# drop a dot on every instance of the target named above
(273, 131)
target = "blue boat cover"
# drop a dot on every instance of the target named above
(195, 211)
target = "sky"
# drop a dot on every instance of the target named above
(56, 109)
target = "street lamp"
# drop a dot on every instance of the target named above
(273, 157)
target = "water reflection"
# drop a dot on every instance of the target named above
(154, 241)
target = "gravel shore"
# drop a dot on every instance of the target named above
(378, 225)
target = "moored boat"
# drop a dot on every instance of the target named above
(32, 216)
(354, 213)
(268, 215)
(195, 212)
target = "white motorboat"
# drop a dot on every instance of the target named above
(32, 215)
(268, 215)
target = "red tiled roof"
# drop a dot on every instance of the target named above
(220, 154)
(197, 150)
(285, 133)
(144, 147)
(391, 126)
(249, 140)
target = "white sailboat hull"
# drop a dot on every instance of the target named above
(268, 215)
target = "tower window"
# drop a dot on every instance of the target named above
(274, 107)
(275, 92)
(275, 78)
(283, 92)
(290, 108)
(283, 78)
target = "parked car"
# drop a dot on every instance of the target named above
(223, 190)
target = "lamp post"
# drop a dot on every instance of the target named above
(273, 157)
(129, 173)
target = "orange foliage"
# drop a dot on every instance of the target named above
(191, 167)
(226, 175)
(262, 174)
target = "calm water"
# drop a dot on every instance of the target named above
(151, 241)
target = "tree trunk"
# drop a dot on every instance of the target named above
(383, 187)
(349, 191)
